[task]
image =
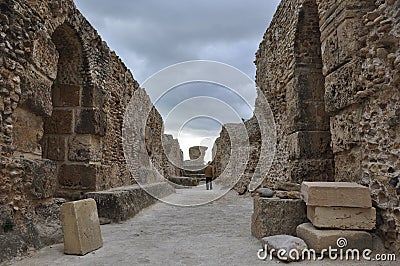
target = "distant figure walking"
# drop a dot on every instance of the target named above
(209, 173)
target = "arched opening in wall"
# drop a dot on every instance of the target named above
(311, 157)
(70, 133)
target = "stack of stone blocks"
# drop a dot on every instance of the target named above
(341, 213)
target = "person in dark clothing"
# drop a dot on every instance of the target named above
(209, 173)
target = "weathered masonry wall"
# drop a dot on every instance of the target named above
(331, 73)
(63, 98)
(290, 75)
(223, 153)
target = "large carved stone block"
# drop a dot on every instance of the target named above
(66, 95)
(308, 85)
(81, 227)
(341, 87)
(274, 216)
(54, 147)
(336, 194)
(342, 217)
(319, 240)
(91, 121)
(85, 148)
(83, 176)
(61, 122)
(93, 97)
(120, 204)
(306, 116)
(311, 170)
(310, 145)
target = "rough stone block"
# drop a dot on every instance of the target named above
(82, 176)
(310, 145)
(81, 227)
(66, 95)
(27, 132)
(92, 97)
(36, 93)
(345, 129)
(341, 88)
(274, 216)
(91, 121)
(342, 217)
(307, 116)
(308, 86)
(336, 194)
(323, 239)
(44, 54)
(348, 166)
(42, 177)
(329, 47)
(310, 170)
(120, 204)
(60, 122)
(54, 147)
(85, 148)
(183, 182)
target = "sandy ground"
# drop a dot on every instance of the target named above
(217, 233)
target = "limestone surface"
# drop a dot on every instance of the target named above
(342, 217)
(336, 194)
(320, 239)
(81, 227)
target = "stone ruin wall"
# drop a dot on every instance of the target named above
(63, 98)
(361, 43)
(330, 70)
(223, 153)
(172, 157)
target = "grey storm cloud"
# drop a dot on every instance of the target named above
(150, 35)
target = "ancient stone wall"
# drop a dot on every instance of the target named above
(330, 71)
(223, 153)
(360, 40)
(173, 157)
(289, 72)
(63, 99)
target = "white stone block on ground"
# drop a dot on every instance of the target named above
(81, 227)
(342, 217)
(319, 239)
(336, 194)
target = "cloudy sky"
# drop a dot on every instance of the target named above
(150, 35)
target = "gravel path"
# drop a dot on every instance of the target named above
(214, 234)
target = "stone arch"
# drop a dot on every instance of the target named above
(72, 134)
(309, 137)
